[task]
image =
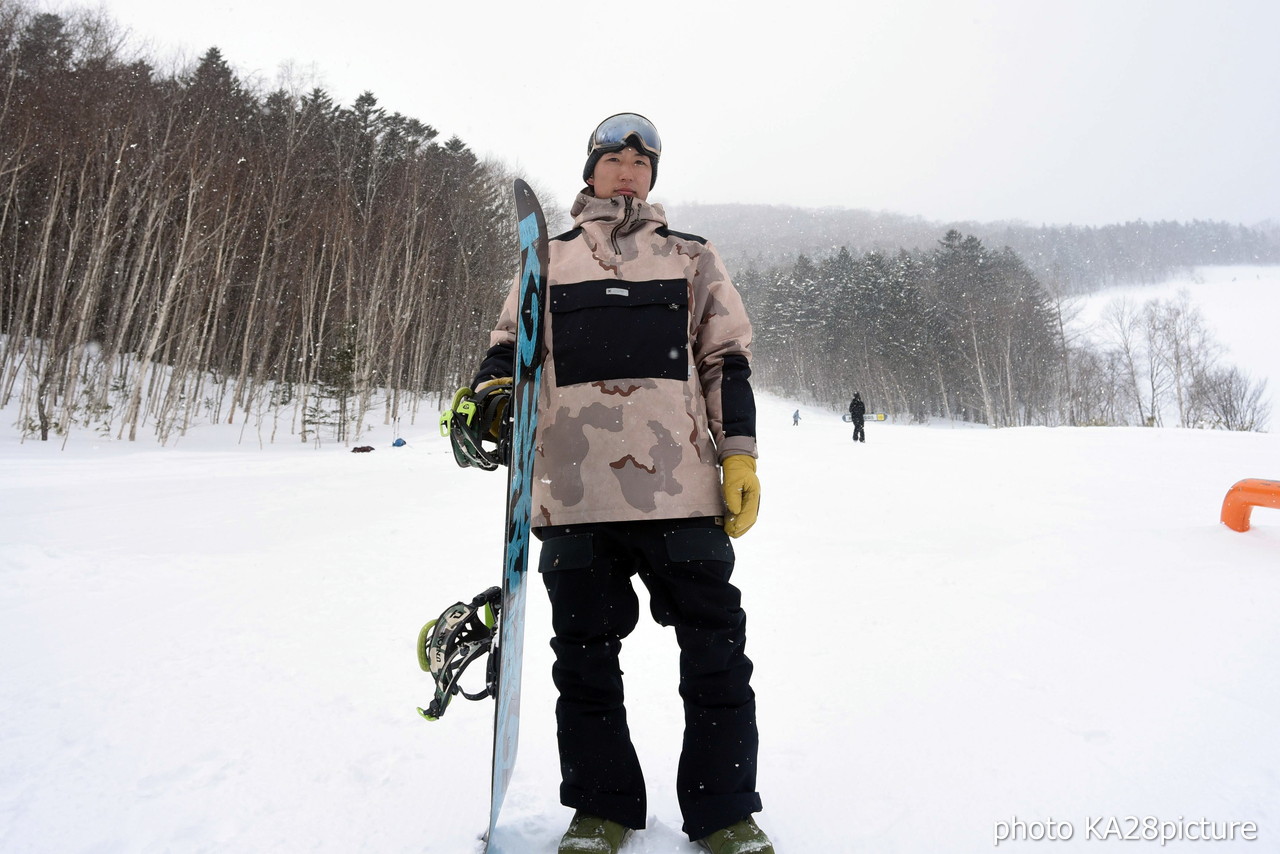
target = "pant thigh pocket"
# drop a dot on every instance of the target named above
(688, 545)
(572, 551)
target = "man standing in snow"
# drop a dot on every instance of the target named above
(857, 412)
(645, 402)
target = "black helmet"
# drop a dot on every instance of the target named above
(616, 133)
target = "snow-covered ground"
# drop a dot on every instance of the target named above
(209, 647)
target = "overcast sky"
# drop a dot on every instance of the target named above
(1044, 111)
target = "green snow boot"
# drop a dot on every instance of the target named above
(741, 838)
(590, 834)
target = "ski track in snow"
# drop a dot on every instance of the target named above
(209, 647)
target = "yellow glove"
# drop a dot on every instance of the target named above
(741, 490)
(495, 426)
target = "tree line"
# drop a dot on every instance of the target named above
(966, 332)
(177, 248)
(1068, 259)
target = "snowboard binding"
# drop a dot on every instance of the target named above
(470, 423)
(448, 644)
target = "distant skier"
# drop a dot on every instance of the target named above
(795, 418)
(857, 411)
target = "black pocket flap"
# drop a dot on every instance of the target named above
(612, 293)
(692, 544)
(573, 551)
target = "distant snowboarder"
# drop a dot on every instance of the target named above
(795, 418)
(857, 411)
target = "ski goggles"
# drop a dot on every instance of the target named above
(614, 133)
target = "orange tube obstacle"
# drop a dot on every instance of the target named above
(1244, 496)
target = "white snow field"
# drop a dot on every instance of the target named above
(959, 634)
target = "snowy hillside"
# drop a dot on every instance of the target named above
(209, 648)
(1239, 305)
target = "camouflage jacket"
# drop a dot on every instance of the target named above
(645, 382)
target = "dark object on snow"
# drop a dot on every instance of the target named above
(857, 410)
(363, 449)
(398, 443)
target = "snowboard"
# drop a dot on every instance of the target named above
(870, 416)
(526, 379)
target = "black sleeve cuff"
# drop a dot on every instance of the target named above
(737, 401)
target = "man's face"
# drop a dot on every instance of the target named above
(622, 173)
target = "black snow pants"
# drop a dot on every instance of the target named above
(685, 564)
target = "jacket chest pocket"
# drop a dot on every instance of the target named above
(608, 330)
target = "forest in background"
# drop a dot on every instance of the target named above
(963, 331)
(179, 247)
(1067, 259)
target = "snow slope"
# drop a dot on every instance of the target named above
(1238, 304)
(209, 648)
